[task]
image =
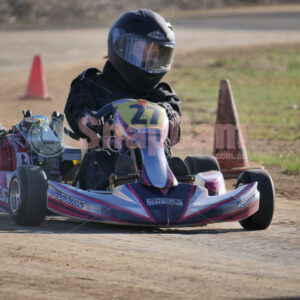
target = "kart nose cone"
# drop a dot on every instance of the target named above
(156, 171)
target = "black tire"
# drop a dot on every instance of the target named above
(28, 196)
(263, 217)
(202, 163)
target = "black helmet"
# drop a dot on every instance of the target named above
(140, 47)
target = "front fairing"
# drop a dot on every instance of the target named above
(137, 204)
(146, 125)
(155, 171)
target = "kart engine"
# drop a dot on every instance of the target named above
(35, 142)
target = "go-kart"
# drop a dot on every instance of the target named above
(39, 174)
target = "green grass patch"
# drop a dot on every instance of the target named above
(266, 89)
(289, 163)
(265, 85)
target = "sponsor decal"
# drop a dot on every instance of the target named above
(3, 179)
(164, 201)
(4, 188)
(4, 194)
(157, 35)
(67, 199)
(23, 158)
(247, 202)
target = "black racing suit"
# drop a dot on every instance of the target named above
(90, 91)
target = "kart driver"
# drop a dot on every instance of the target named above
(140, 53)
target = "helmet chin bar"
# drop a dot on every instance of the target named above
(139, 79)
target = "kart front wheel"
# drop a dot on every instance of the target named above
(28, 196)
(202, 163)
(263, 217)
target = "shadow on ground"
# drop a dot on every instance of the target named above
(62, 225)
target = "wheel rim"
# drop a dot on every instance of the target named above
(15, 196)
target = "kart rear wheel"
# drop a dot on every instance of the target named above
(28, 196)
(202, 163)
(263, 217)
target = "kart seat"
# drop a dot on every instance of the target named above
(178, 167)
(125, 165)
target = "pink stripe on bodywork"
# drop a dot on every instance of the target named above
(124, 125)
(247, 214)
(170, 179)
(103, 203)
(187, 202)
(182, 218)
(141, 202)
(4, 204)
(235, 215)
(144, 177)
(67, 210)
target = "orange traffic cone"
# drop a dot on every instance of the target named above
(37, 86)
(229, 145)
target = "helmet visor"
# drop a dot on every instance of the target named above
(145, 54)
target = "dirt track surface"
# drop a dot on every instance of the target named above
(67, 260)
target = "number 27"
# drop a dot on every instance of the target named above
(136, 119)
